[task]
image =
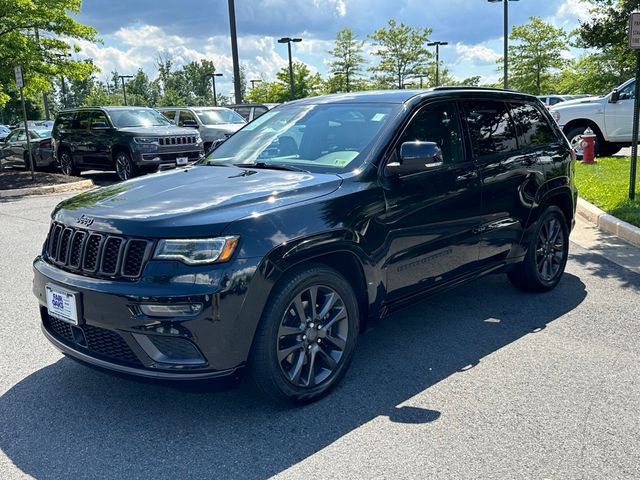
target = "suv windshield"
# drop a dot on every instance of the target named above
(138, 117)
(323, 138)
(218, 117)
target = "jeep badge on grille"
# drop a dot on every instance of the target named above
(84, 220)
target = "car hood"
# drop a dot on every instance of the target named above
(158, 131)
(577, 101)
(195, 201)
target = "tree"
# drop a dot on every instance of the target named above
(305, 83)
(37, 34)
(348, 59)
(402, 52)
(535, 53)
(594, 73)
(606, 32)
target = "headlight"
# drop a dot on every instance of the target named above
(197, 251)
(556, 115)
(146, 140)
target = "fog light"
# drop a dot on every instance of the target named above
(178, 310)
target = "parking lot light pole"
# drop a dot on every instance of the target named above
(437, 45)
(288, 41)
(124, 89)
(213, 76)
(237, 87)
(506, 40)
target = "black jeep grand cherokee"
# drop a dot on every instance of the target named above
(273, 252)
(129, 140)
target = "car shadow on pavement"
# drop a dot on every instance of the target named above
(68, 421)
(603, 268)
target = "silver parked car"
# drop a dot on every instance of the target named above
(213, 123)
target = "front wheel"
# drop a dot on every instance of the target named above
(125, 169)
(307, 335)
(546, 257)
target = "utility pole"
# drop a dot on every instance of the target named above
(124, 89)
(234, 52)
(288, 41)
(213, 76)
(437, 45)
(45, 97)
(20, 85)
(505, 54)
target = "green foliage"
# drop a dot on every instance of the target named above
(593, 73)
(534, 56)
(606, 185)
(36, 34)
(348, 61)
(402, 52)
(306, 84)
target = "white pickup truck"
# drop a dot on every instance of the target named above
(610, 117)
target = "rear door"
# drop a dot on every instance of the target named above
(80, 138)
(431, 216)
(504, 168)
(100, 139)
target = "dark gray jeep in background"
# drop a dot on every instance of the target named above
(129, 140)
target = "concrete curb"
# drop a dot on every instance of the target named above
(608, 223)
(47, 189)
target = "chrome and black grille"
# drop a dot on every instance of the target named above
(96, 254)
(106, 343)
(178, 140)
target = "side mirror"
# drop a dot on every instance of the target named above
(615, 96)
(99, 126)
(416, 157)
(189, 124)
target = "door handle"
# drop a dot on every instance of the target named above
(467, 176)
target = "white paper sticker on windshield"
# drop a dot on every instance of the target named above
(378, 117)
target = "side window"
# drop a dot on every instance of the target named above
(245, 112)
(438, 123)
(257, 111)
(170, 114)
(628, 92)
(20, 136)
(554, 100)
(81, 121)
(11, 137)
(99, 118)
(490, 127)
(534, 127)
(62, 123)
(184, 116)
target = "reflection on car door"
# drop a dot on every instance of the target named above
(100, 139)
(503, 170)
(80, 138)
(619, 115)
(431, 216)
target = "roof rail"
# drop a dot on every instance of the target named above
(465, 87)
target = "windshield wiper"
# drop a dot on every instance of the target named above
(271, 166)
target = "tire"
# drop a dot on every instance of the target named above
(67, 165)
(609, 149)
(125, 168)
(545, 261)
(573, 137)
(296, 360)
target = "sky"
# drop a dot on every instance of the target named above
(135, 32)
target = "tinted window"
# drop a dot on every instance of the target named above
(184, 116)
(440, 124)
(257, 111)
(99, 118)
(245, 112)
(628, 92)
(63, 122)
(534, 127)
(170, 114)
(490, 128)
(81, 121)
(20, 136)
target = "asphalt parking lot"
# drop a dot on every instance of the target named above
(482, 382)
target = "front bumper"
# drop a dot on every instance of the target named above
(114, 334)
(166, 156)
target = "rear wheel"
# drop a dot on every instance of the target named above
(67, 164)
(306, 337)
(546, 257)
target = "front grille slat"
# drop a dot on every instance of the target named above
(96, 254)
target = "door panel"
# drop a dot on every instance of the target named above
(430, 216)
(619, 115)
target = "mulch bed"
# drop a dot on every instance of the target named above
(12, 179)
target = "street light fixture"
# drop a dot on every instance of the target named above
(506, 40)
(288, 41)
(437, 45)
(213, 76)
(124, 89)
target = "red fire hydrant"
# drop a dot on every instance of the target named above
(588, 145)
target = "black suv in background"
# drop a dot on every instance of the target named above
(275, 251)
(129, 140)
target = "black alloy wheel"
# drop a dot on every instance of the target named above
(66, 164)
(124, 166)
(306, 338)
(546, 257)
